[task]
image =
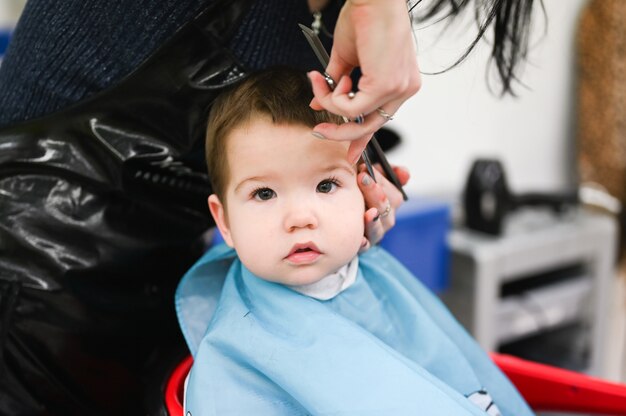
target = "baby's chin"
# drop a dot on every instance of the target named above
(297, 278)
(293, 276)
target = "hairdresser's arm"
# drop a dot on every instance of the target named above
(375, 35)
(379, 196)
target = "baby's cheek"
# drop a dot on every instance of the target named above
(353, 228)
(348, 214)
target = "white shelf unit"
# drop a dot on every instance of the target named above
(535, 244)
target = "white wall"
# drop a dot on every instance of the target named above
(10, 11)
(455, 118)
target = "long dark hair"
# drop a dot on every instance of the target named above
(510, 20)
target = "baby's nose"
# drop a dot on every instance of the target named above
(301, 214)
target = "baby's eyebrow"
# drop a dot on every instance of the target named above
(251, 179)
(340, 166)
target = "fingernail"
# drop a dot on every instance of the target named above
(355, 159)
(366, 180)
(318, 135)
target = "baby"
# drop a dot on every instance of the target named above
(286, 201)
(287, 318)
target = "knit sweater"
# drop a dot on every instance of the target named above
(63, 51)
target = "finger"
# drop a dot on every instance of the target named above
(374, 91)
(361, 102)
(337, 67)
(344, 86)
(374, 230)
(393, 198)
(352, 131)
(402, 174)
(382, 195)
(373, 192)
(356, 149)
(315, 105)
(341, 102)
(347, 131)
(365, 245)
(320, 89)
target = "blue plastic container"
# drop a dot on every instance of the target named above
(5, 37)
(419, 242)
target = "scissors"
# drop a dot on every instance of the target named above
(373, 144)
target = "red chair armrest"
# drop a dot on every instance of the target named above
(174, 389)
(550, 388)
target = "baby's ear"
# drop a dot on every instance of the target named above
(219, 215)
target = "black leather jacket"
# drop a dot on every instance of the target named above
(102, 209)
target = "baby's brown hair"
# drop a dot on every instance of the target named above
(281, 93)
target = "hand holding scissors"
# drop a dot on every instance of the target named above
(373, 145)
(376, 36)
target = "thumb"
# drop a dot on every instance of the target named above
(337, 67)
(356, 148)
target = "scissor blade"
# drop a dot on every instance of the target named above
(368, 164)
(316, 45)
(389, 173)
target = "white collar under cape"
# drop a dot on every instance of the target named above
(331, 285)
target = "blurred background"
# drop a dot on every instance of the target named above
(529, 259)
(10, 11)
(455, 118)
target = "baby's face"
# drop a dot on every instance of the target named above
(294, 212)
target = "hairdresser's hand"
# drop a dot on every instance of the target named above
(381, 199)
(375, 35)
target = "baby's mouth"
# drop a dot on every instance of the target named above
(303, 253)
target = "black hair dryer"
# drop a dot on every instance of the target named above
(487, 199)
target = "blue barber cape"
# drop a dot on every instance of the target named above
(384, 346)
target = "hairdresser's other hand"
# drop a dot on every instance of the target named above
(375, 35)
(378, 196)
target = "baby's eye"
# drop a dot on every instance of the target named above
(263, 194)
(326, 186)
